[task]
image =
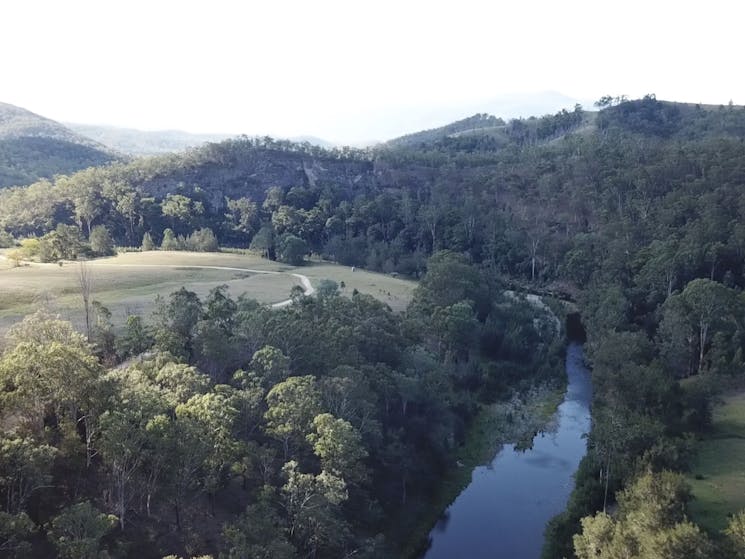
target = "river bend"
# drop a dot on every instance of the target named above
(503, 512)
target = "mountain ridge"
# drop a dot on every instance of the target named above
(34, 147)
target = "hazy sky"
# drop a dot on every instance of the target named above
(356, 69)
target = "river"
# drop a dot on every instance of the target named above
(504, 510)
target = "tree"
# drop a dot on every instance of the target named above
(6, 239)
(202, 240)
(293, 404)
(455, 328)
(51, 381)
(710, 302)
(44, 328)
(129, 206)
(65, 242)
(604, 101)
(86, 195)
(214, 336)
(292, 250)
(122, 445)
(25, 467)
(650, 524)
(15, 256)
(179, 382)
(273, 199)
(181, 210)
(77, 531)
(101, 242)
(147, 242)
(735, 536)
(242, 215)
(270, 365)
(263, 242)
(176, 321)
(287, 220)
(310, 503)
(327, 288)
(690, 320)
(169, 241)
(179, 449)
(260, 533)
(14, 530)
(85, 283)
(451, 279)
(136, 337)
(339, 447)
(102, 333)
(213, 415)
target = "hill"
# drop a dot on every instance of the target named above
(478, 123)
(159, 142)
(143, 142)
(385, 206)
(34, 147)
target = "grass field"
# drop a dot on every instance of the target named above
(720, 465)
(395, 292)
(129, 282)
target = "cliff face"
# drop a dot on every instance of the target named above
(252, 172)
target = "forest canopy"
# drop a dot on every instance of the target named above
(634, 212)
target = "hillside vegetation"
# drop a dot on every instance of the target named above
(636, 212)
(33, 147)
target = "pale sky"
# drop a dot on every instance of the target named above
(353, 70)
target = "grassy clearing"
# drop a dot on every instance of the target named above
(128, 283)
(720, 466)
(395, 292)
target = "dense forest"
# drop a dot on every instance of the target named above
(318, 430)
(635, 212)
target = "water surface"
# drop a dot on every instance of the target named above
(504, 510)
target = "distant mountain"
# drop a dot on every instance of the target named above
(313, 140)
(478, 123)
(396, 121)
(34, 147)
(143, 142)
(158, 142)
(526, 105)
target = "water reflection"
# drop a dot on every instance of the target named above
(504, 510)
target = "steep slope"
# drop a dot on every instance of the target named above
(34, 147)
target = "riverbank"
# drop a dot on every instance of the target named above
(505, 507)
(516, 421)
(537, 392)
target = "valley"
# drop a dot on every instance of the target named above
(214, 410)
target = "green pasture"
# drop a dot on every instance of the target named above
(717, 474)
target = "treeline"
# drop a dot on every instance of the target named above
(239, 431)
